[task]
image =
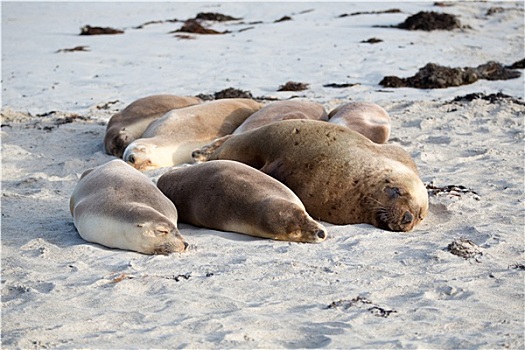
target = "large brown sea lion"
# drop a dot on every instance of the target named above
(341, 176)
(231, 196)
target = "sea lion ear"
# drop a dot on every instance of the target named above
(393, 192)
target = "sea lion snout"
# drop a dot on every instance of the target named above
(170, 247)
(398, 219)
(407, 218)
(312, 232)
(137, 155)
(131, 159)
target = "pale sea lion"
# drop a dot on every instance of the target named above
(231, 196)
(341, 176)
(366, 118)
(117, 206)
(170, 140)
(283, 110)
(130, 123)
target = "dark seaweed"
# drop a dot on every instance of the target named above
(89, 30)
(213, 16)
(293, 86)
(429, 21)
(434, 76)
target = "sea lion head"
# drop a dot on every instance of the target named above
(161, 238)
(116, 143)
(400, 204)
(292, 223)
(138, 154)
(309, 232)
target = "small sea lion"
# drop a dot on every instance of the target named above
(341, 176)
(283, 110)
(130, 123)
(366, 118)
(231, 196)
(170, 140)
(117, 206)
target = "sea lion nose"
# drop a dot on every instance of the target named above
(131, 159)
(321, 234)
(407, 218)
(186, 245)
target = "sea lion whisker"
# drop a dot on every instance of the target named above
(375, 200)
(377, 206)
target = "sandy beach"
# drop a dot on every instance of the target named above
(455, 282)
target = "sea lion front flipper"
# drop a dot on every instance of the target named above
(204, 153)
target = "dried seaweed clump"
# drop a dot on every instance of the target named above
(464, 248)
(430, 21)
(358, 302)
(226, 93)
(370, 13)
(518, 64)
(454, 190)
(434, 76)
(193, 26)
(89, 30)
(372, 41)
(232, 93)
(283, 19)
(213, 16)
(293, 86)
(74, 49)
(491, 98)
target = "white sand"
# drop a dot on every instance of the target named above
(363, 287)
